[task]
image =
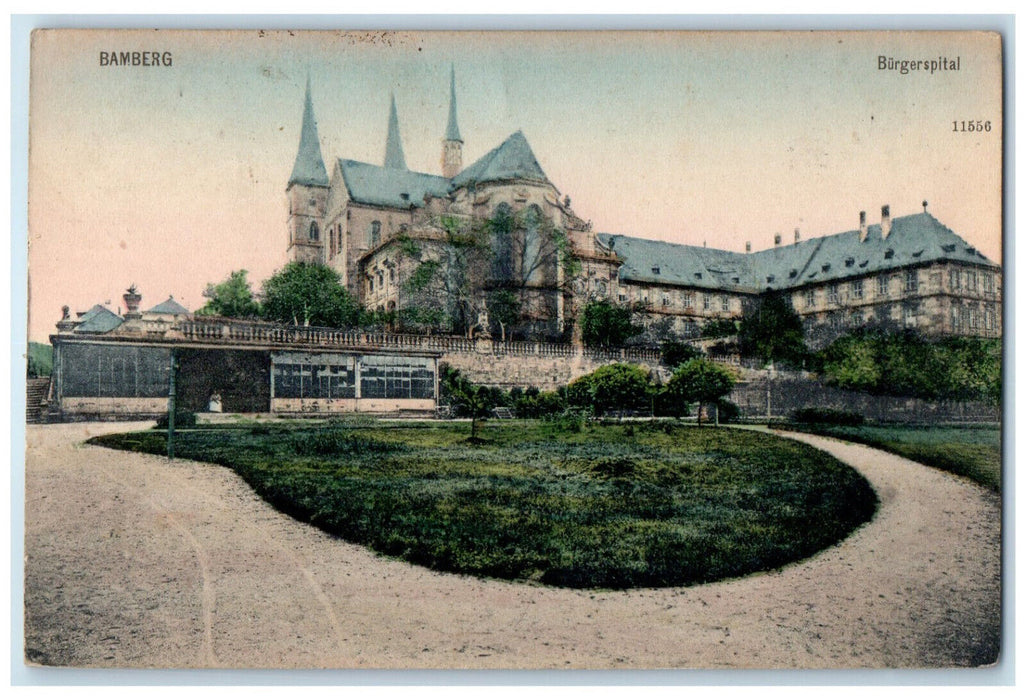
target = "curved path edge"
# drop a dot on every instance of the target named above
(135, 562)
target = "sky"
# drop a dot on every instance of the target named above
(171, 177)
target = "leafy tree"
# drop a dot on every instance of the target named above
(719, 328)
(605, 325)
(771, 331)
(309, 294)
(40, 360)
(503, 309)
(700, 380)
(676, 353)
(618, 387)
(469, 399)
(232, 297)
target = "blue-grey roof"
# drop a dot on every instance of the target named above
(169, 306)
(646, 260)
(386, 187)
(913, 240)
(309, 167)
(98, 319)
(452, 130)
(394, 157)
(513, 159)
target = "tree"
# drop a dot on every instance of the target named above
(232, 297)
(309, 294)
(606, 325)
(503, 309)
(771, 331)
(700, 380)
(676, 353)
(618, 387)
(468, 398)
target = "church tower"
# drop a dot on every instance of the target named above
(452, 144)
(307, 192)
(394, 157)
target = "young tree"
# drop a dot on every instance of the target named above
(503, 309)
(676, 353)
(700, 380)
(232, 297)
(771, 331)
(309, 294)
(606, 325)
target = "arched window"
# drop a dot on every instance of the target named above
(532, 260)
(502, 243)
(315, 232)
(375, 233)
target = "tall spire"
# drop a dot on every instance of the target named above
(309, 168)
(394, 157)
(452, 144)
(452, 130)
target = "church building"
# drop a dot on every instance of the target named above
(495, 248)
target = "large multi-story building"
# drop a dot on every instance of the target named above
(495, 247)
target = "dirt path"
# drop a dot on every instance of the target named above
(135, 562)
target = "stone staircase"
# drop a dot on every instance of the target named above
(36, 406)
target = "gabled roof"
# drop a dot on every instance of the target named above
(913, 240)
(169, 306)
(513, 159)
(660, 262)
(386, 187)
(394, 157)
(309, 167)
(98, 319)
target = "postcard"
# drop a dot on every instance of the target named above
(514, 350)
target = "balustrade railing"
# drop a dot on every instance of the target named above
(235, 332)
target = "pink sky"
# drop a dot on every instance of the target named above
(172, 177)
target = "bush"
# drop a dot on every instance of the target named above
(828, 416)
(728, 411)
(183, 419)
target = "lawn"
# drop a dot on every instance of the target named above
(606, 506)
(973, 452)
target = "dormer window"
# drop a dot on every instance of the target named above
(849, 262)
(770, 278)
(655, 270)
(698, 275)
(826, 267)
(793, 273)
(889, 253)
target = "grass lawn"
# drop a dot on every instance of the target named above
(610, 506)
(973, 452)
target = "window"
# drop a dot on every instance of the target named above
(375, 233)
(689, 300)
(911, 280)
(970, 280)
(988, 282)
(856, 289)
(955, 319)
(882, 284)
(988, 318)
(974, 318)
(911, 314)
(724, 303)
(810, 298)
(832, 294)
(666, 301)
(705, 302)
(955, 279)
(315, 231)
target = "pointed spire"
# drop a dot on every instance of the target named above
(452, 130)
(394, 157)
(309, 168)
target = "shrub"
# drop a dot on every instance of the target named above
(829, 416)
(183, 419)
(338, 442)
(728, 411)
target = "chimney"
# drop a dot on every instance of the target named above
(863, 231)
(748, 246)
(776, 240)
(132, 299)
(885, 221)
(797, 235)
(925, 203)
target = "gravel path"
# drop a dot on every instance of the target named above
(135, 562)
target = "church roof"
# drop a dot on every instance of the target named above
(169, 306)
(98, 319)
(452, 129)
(394, 157)
(513, 159)
(389, 187)
(913, 240)
(309, 167)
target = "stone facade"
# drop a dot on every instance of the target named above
(378, 225)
